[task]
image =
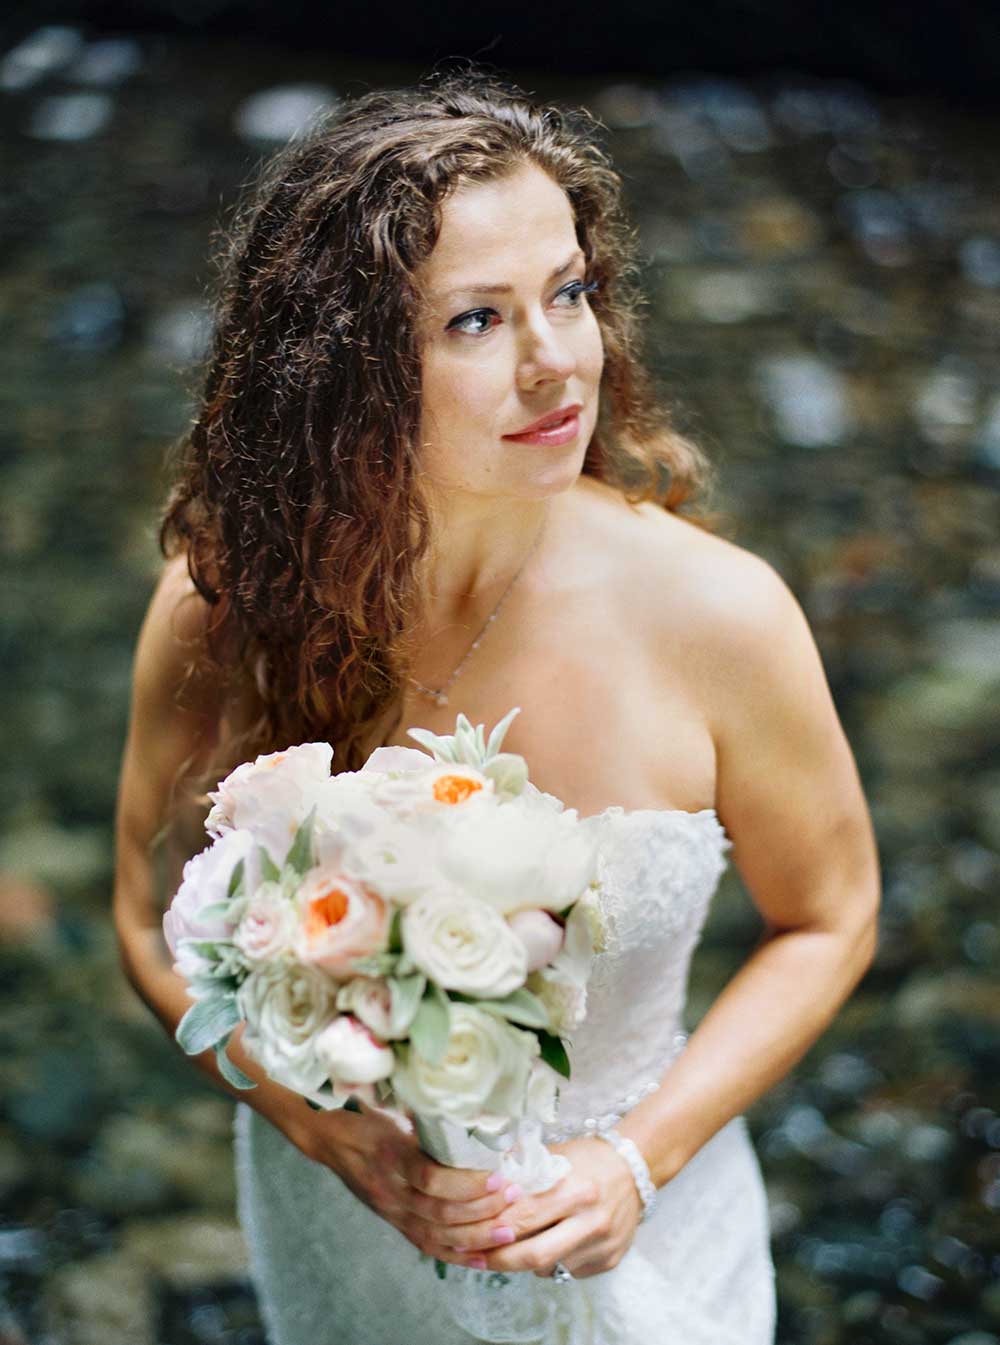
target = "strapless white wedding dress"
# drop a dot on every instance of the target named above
(329, 1271)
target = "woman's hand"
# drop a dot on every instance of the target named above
(386, 1169)
(587, 1220)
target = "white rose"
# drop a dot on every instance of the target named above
(370, 999)
(204, 881)
(565, 999)
(519, 855)
(286, 1005)
(352, 1054)
(483, 1073)
(267, 929)
(465, 945)
(271, 796)
(541, 935)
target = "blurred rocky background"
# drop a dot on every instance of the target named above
(819, 212)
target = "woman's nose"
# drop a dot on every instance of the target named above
(546, 353)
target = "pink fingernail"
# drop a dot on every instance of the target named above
(513, 1193)
(501, 1235)
(494, 1181)
(477, 1263)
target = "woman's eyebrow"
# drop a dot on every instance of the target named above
(506, 289)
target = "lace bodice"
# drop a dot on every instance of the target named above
(659, 870)
(699, 1271)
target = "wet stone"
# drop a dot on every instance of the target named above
(70, 116)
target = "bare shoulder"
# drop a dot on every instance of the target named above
(676, 578)
(173, 641)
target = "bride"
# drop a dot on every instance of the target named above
(428, 474)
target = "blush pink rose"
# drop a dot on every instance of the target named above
(339, 920)
(541, 935)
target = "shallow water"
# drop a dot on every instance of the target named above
(823, 269)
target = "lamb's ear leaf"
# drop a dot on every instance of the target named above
(230, 1072)
(497, 736)
(520, 1006)
(208, 1021)
(554, 1052)
(236, 879)
(432, 741)
(269, 870)
(300, 855)
(431, 1025)
(406, 994)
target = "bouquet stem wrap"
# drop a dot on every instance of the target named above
(491, 1305)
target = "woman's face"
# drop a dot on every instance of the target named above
(507, 337)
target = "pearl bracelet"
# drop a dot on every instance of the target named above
(640, 1171)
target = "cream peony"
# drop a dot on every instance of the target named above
(465, 945)
(339, 920)
(285, 1006)
(205, 881)
(434, 789)
(541, 935)
(520, 855)
(398, 860)
(484, 1072)
(267, 929)
(271, 796)
(352, 1054)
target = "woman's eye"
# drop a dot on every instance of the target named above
(574, 291)
(479, 315)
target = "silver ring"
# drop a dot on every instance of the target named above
(560, 1274)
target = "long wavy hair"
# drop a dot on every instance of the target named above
(297, 496)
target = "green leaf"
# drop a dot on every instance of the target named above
(230, 1072)
(236, 879)
(376, 964)
(396, 931)
(270, 871)
(300, 855)
(207, 1021)
(508, 772)
(406, 993)
(521, 1006)
(431, 1025)
(434, 742)
(554, 1053)
(215, 909)
(497, 736)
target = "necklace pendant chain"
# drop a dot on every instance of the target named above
(439, 695)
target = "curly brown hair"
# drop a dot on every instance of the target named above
(298, 496)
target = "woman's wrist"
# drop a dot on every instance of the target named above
(637, 1165)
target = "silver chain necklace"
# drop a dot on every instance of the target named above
(439, 695)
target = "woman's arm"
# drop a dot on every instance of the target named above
(162, 736)
(368, 1151)
(789, 796)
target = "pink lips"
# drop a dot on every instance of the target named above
(559, 427)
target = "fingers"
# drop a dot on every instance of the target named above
(449, 1213)
(563, 1241)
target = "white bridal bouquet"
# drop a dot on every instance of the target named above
(418, 933)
